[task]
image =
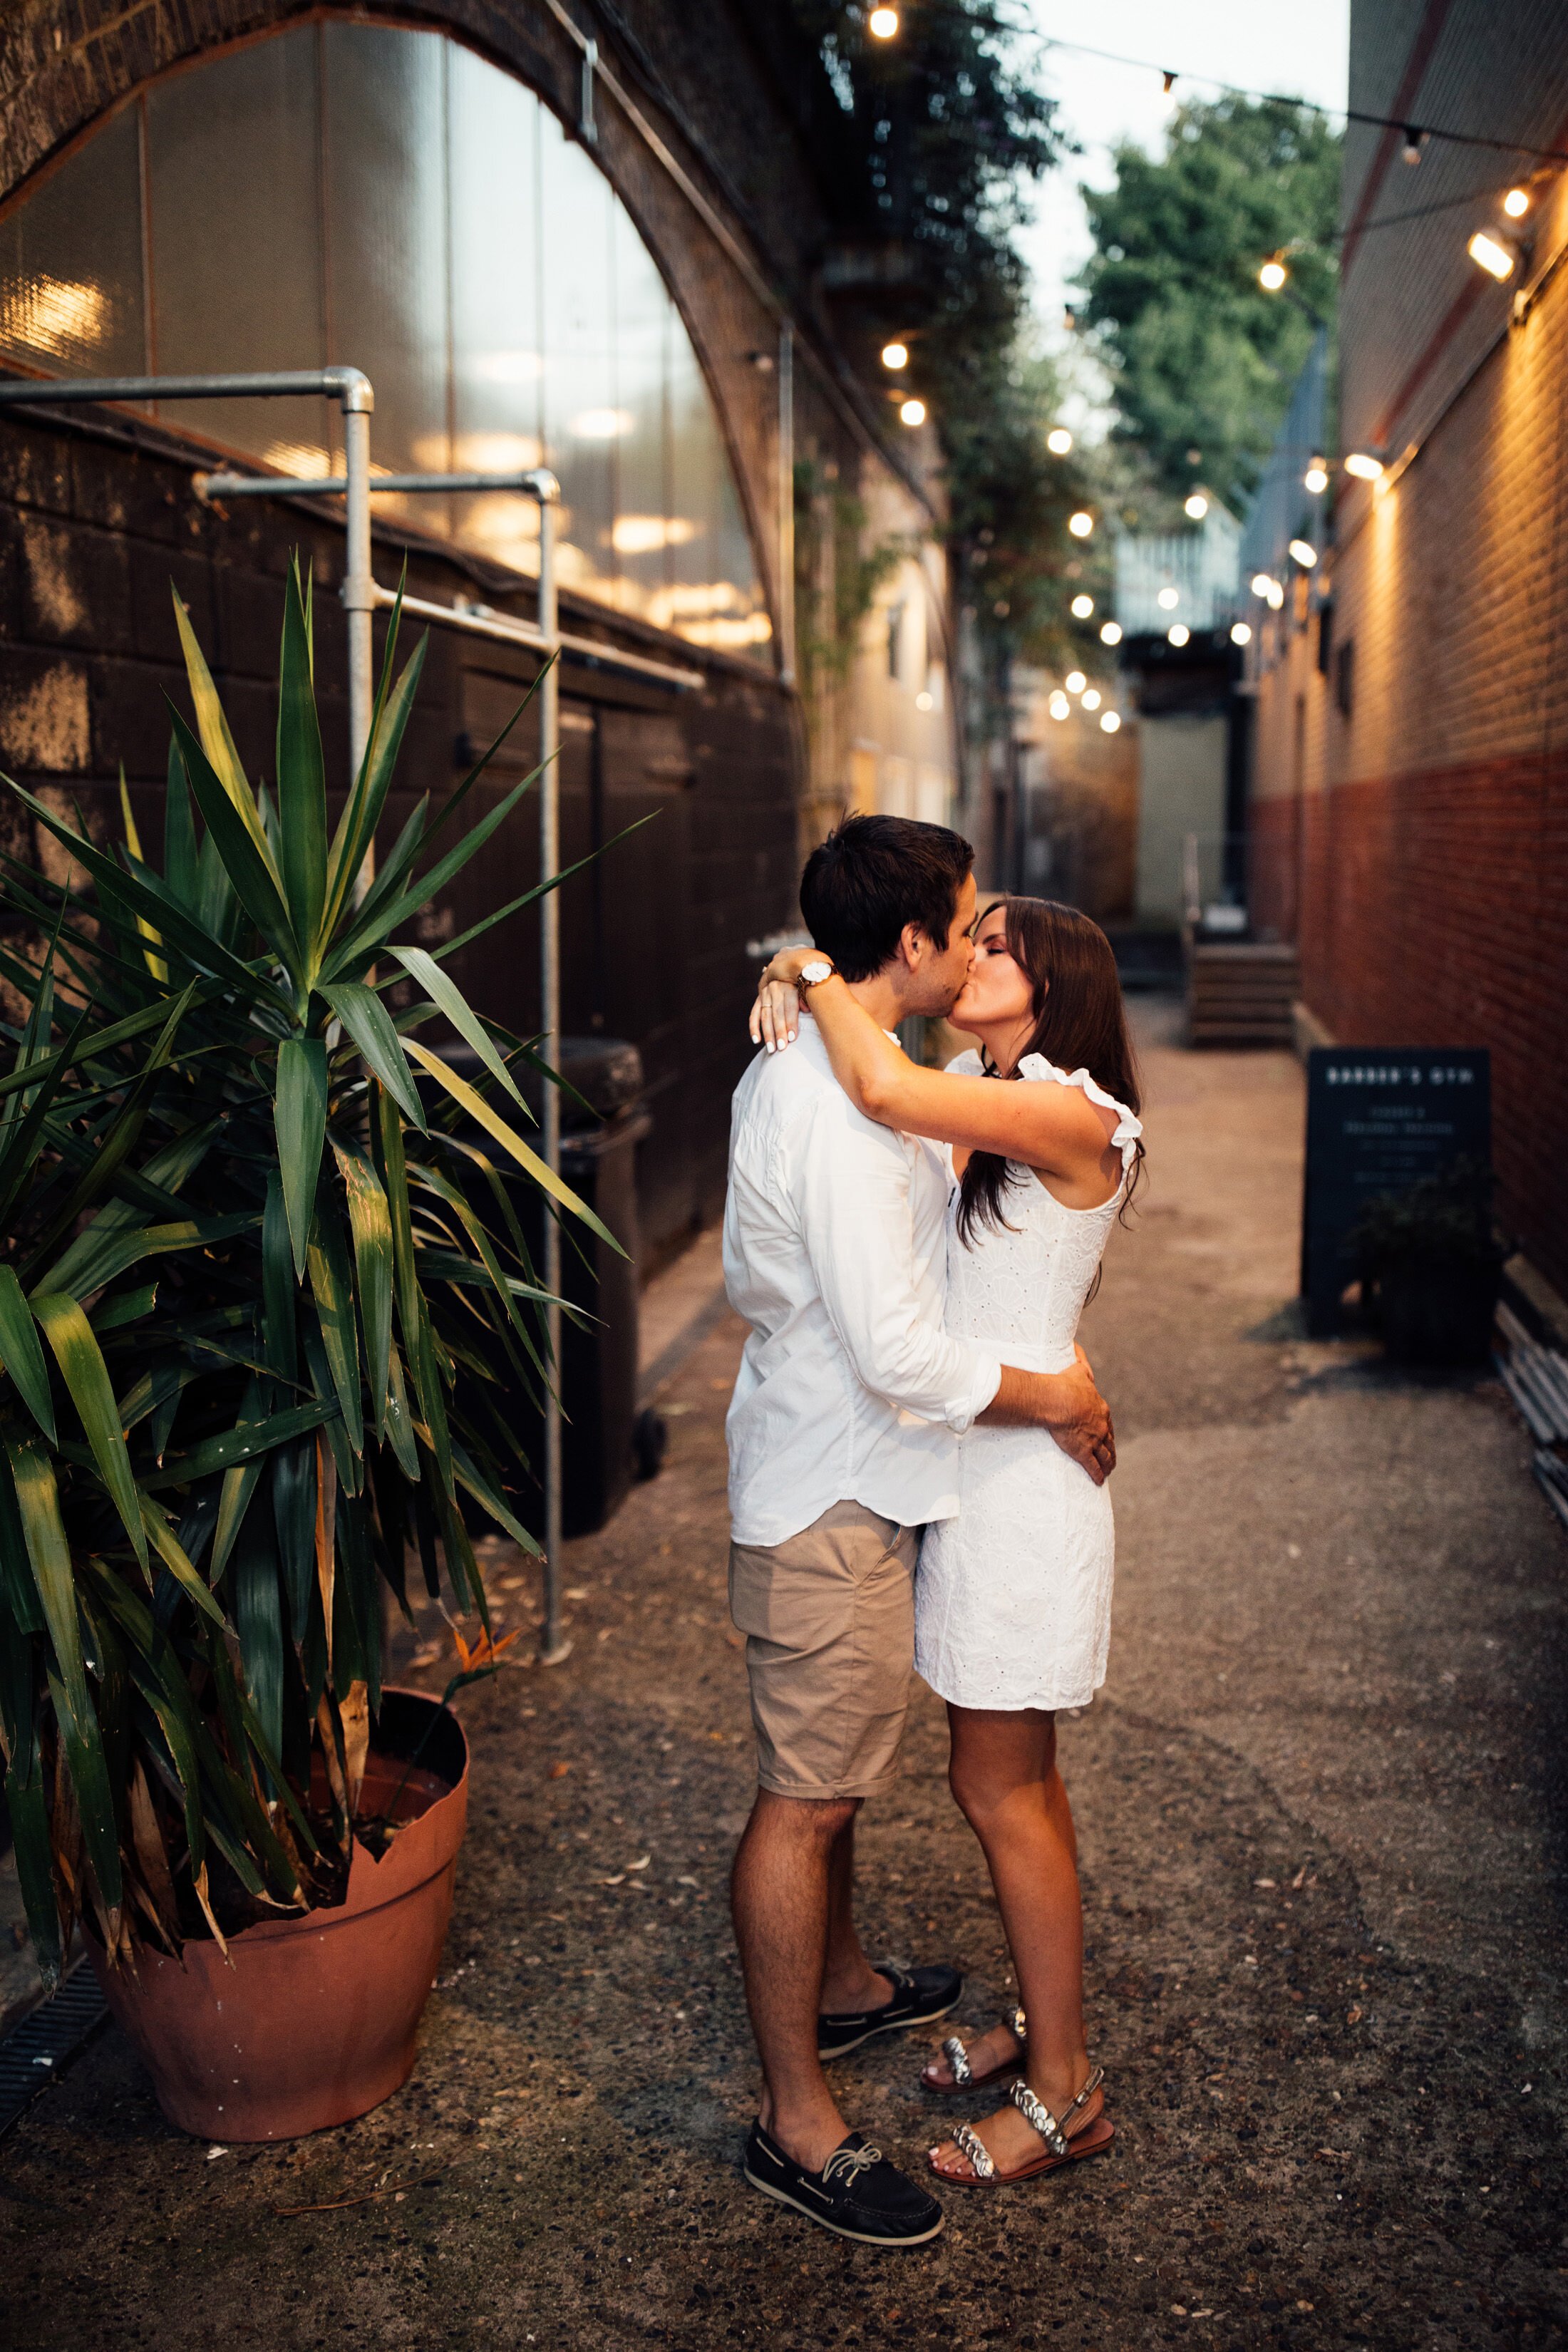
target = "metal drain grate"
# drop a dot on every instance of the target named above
(48, 2041)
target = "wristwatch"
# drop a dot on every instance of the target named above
(817, 970)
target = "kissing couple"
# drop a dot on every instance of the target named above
(918, 1458)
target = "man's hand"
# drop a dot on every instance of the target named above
(1067, 1405)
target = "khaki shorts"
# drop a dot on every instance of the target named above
(829, 1620)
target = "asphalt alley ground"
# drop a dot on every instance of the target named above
(1320, 1808)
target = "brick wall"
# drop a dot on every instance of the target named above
(1417, 841)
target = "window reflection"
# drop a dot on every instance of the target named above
(360, 194)
(72, 300)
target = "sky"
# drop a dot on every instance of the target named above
(1275, 45)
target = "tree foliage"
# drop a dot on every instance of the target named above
(1201, 358)
(942, 131)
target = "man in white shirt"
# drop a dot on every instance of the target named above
(842, 1434)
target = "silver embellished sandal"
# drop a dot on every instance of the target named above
(964, 2077)
(1062, 2145)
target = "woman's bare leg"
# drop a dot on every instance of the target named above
(1004, 1773)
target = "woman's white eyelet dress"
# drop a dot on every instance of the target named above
(1013, 1596)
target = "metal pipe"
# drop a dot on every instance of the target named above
(536, 483)
(358, 594)
(554, 1646)
(483, 622)
(349, 386)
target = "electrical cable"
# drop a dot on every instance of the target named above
(1414, 132)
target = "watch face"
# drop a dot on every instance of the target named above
(814, 972)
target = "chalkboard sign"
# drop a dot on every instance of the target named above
(1376, 1121)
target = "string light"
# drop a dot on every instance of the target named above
(1075, 681)
(882, 24)
(1305, 554)
(1082, 606)
(1241, 633)
(1516, 203)
(1261, 584)
(1496, 258)
(1090, 698)
(1111, 721)
(1364, 465)
(1058, 706)
(1273, 274)
(1316, 477)
(1168, 599)
(1276, 595)
(912, 412)
(1179, 635)
(895, 355)
(1080, 524)
(1110, 633)
(1197, 506)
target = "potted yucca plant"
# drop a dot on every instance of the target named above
(252, 1291)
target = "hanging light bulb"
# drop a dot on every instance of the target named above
(1090, 698)
(895, 355)
(1415, 140)
(1058, 706)
(1197, 506)
(912, 412)
(1496, 257)
(1305, 554)
(1316, 477)
(1110, 633)
(883, 24)
(1364, 465)
(1168, 599)
(1111, 721)
(1179, 635)
(1262, 583)
(1075, 681)
(1276, 595)
(1273, 274)
(1240, 633)
(1080, 524)
(1058, 440)
(1516, 203)
(1082, 606)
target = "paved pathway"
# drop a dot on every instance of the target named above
(1320, 1804)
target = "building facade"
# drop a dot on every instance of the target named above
(1410, 775)
(592, 239)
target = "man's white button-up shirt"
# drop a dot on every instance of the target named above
(835, 1251)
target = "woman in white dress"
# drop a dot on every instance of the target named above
(1013, 1596)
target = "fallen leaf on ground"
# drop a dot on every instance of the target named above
(641, 1864)
(558, 1771)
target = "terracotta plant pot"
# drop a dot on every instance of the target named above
(313, 2021)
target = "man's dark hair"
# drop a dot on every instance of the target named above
(873, 876)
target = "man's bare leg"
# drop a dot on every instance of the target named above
(849, 1982)
(779, 1893)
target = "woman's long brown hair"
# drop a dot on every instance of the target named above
(1081, 1023)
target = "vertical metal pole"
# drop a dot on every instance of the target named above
(359, 594)
(552, 1647)
(786, 505)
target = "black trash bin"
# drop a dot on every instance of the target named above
(602, 1447)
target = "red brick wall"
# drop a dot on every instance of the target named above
(1433, 911)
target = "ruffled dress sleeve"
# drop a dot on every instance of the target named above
(1035, 1067)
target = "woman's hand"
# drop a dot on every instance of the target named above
(775, 1016)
